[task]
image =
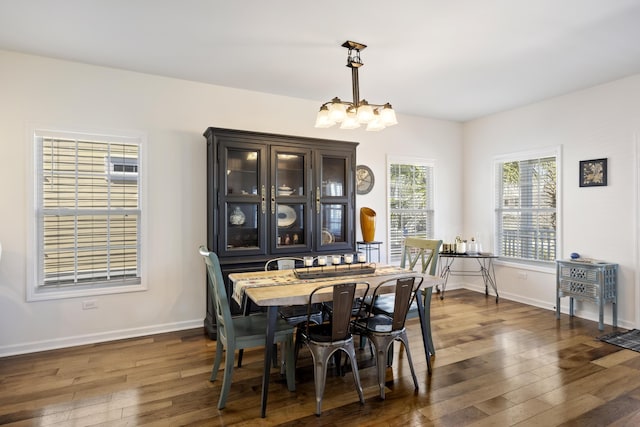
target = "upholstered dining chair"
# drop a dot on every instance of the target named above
(333, 335)
(424, 252)
(384, 328)
(237, 333)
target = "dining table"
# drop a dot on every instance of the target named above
(278, 288)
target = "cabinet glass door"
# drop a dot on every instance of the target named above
(243, 199)
(290, 199)
(334, 201)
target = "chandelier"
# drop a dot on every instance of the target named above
(351, 115)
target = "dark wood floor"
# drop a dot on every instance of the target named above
(496, 365)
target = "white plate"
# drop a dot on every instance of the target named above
(286, 216)
(327, 237)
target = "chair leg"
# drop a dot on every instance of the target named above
(320, 379)
(217, 360)
(228, 374)
(297, 344)
(349, 348)
(290, 363)
(382, 344)
(337, 361)
(425, 319)
(390, 355)
(321, 356)
(275, 355)
(240, 353)
(381, 356)
(405, 341)
(283, 359)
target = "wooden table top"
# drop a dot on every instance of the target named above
(282, 287)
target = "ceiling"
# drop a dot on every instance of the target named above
(455, 59)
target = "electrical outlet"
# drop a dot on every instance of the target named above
(89, 304)
(522, 275)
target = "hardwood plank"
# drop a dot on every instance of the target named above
(497, 364)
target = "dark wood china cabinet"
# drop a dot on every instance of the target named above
(275, 195)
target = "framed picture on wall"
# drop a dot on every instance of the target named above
(593, 173)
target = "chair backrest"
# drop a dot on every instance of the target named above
(218, 293)
(416, 249)
(282, 263)
(406, 289)
(343, 300)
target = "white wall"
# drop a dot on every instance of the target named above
(597, 222)
(173, 114)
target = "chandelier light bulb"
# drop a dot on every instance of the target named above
(337, 111)
(322, 119)
(375, 124)
(365, 112)
(388, 116)
(350, 121)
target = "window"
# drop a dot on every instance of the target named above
(87, 214)
(410, 202)
(526, 213)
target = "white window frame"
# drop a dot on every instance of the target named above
(430, 210)
(35, 291)
(556, 152)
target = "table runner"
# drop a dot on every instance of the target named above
(288, 277)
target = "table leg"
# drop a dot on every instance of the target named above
(426, 335)
(601, 315)
(444, 274)
(488, 275)
(272, 314)
(570, 306)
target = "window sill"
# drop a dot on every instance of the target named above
(80, 292)
(549, 268)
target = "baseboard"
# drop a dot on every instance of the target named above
(35, 346)
(583, 314)
(512, 297)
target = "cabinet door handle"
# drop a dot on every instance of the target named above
(317, 199)
(263, 199)
(273, 200)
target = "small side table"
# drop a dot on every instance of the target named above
(368, 247)
(485, 262)
(589, 281)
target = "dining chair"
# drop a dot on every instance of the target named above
(237, 333)
(333, 335)
(384, 328)
(293, 314)
(426, 252)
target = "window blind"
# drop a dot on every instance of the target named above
(88, 212)
(526, 209)
(410, 204)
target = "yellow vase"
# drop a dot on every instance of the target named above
(368, 224)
